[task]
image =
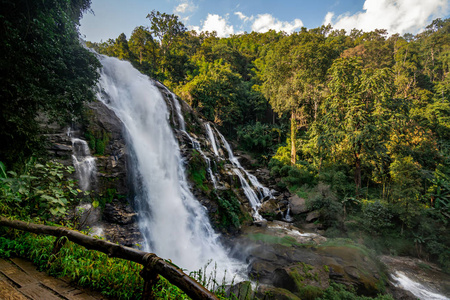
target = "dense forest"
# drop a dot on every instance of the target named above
(358, 123)
(45, 72)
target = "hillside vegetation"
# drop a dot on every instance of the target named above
(356, 122)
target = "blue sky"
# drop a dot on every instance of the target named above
(112, 17)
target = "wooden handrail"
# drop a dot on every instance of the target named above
(153, 264)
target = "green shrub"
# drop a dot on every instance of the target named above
(376, 217)
(323, 199)
(113, 277)
(41, 191)
(197, 171)
(259, 138)
(229, 213)
(310, 292)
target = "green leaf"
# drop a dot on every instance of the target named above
(2, 170)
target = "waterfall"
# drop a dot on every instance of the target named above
(249, 191)
(194, 142)
(208, 168)
(288, 217)
(174, 224)
(417, 289)
(212, 139)
(83, 162)
(175, 102)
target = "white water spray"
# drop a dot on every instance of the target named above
(194, 142)
(173, 223)
(249, 191)
(84, 163)
(417, 289)
(212, 139)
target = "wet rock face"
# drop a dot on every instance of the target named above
(118, 220)
(422, 272)
(119, 213)
(111, 165)
(304, 267)
(120, 223)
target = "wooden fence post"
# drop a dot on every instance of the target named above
(59, 243)
(150, 277)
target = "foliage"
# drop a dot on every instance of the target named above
(376, 217)
(97, 141)
(41, 191)
(229, 214)
(368, 115)
(218, 93)
(197, 170)
(323, 199)
(45, 74)
(259, 138)
(91, 269)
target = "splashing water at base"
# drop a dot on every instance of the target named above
(174, 224)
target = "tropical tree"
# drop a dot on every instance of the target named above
(292, 74)
(354, 112)
(142, 45)
(44, 71)
(218, 93)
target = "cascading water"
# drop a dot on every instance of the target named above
(174, 224)
(212, 139)
(208, 168)
(83, 162)
(194, 142)
(252, 197)
(417, 289)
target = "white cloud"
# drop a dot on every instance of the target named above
(216, 23)
(185, 7)
(328, 18)
(243, 17)
(397, 16)
(262, 23)
(265, 22)
(195, 28)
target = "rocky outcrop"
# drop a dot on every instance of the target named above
(282, 257)
(119, 223)
(117, 220)
(297, 205)
(104, 126)
(425, 273)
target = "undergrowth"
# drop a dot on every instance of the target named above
(113, 277)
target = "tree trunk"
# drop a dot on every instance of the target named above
(293, 136)
(357, 172)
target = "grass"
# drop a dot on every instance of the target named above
(113, 277)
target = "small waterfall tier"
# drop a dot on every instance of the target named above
(84, 163)
(253, 190)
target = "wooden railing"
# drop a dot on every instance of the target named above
(153, 265)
